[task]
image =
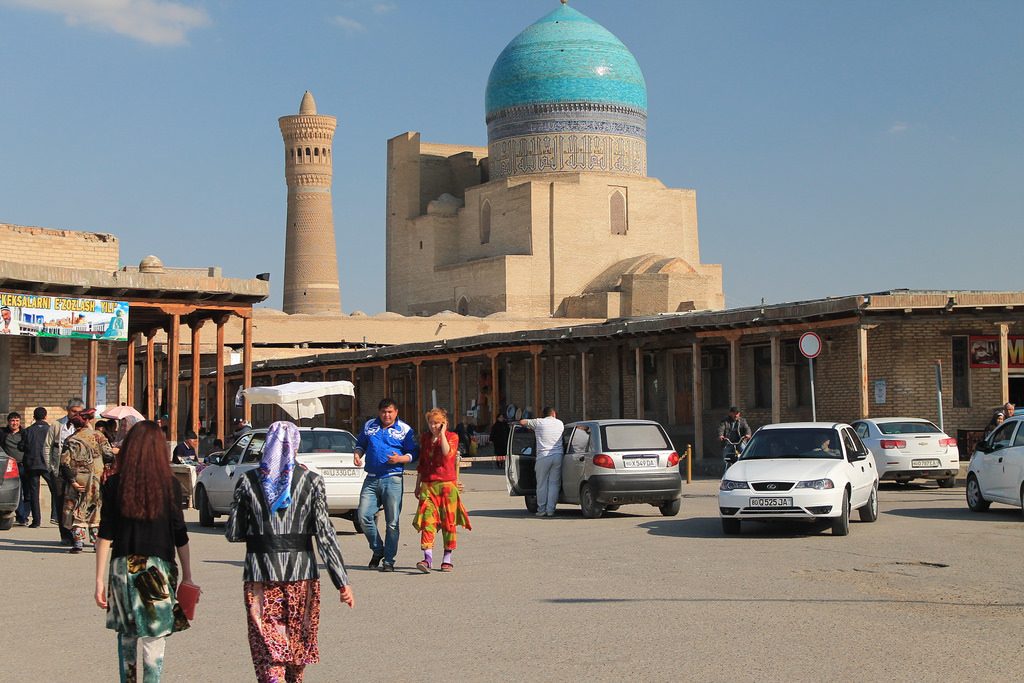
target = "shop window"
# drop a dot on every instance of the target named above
(762, 376)
(961, 373)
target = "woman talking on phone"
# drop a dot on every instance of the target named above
(140, 529)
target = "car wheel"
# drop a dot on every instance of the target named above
(6, 521)
(947, 483)
(975, 500)
(841, 524)
(591, 508)
(730, 527)
(869, 512)
(1022, 499)
(531, 504)
(670, 508)
(205, 513)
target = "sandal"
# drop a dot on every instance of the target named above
(424, 567)
(447, 566)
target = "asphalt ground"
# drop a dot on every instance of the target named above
(929, 592)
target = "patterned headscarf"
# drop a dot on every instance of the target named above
(81, 419)
(278, 462)
(124, 425)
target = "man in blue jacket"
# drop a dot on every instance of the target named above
(386, 444)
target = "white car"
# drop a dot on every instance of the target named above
(328, 452)
(908, 448)
(801, 470)
(996, 473)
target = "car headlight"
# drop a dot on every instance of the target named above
(732, 485)
(818, 484)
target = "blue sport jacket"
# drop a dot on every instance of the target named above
(378, 443)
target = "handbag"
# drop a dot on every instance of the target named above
(188, 596)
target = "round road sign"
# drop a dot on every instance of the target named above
(810, 344)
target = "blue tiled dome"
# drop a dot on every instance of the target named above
(565, 57)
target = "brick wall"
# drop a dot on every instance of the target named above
(63, 248)
(49, 381)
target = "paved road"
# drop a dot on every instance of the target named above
(930, 592)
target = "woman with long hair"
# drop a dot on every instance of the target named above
(438, 490)
(81, 468)
(142, 525)
(278, 510)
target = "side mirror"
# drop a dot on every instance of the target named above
(984, 447)
(857, 456)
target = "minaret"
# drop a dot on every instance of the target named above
(310, 259)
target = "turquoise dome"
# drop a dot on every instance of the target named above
(565, 57)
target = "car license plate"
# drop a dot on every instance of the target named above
(773, 502)
(340, 471)
(924, 463)
(640, 461)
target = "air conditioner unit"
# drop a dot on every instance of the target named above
(51, 346)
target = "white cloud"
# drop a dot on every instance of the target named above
(898, 128)
(157, 22)
(349, 25)
(384, 7)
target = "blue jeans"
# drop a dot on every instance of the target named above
(549, 482)
(377, 492)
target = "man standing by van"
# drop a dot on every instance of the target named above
(548, 432)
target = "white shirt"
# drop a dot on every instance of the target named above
(548, 431)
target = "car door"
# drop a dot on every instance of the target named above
(862, 472)
(863, 431)
(250, 459)
(1013, 468)
(574, 462)
(520, 475)
(990, 469)
(220, 483)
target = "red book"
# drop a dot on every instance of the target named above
(188, 596)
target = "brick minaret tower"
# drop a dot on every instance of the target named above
(310, 259)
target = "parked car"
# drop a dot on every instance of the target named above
(605, 464)
(996, 472)
(908, 448)
(326, 451)
(802, 470)
(10, 491)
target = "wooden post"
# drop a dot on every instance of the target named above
(538, 394)
(196, 326)
(698, 400)
(247, 363)
(387, 390)
(638, 360)
(150, 375)
(494, 387)
(455, 390)
(419, 397)
(222, 416)
(583, 382)
(129, 371)
(173, 367)
(91, 370)
(355, 399)
(1004, 357)
(862, 370)
(776, 351)
(734, 369)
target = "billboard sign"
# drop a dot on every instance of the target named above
(984, 351)
(49, 315)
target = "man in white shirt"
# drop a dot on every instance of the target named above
(548, 432)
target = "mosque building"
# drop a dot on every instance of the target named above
(557, 216)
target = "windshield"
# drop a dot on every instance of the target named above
(327, 442)
(915, 427)
(635, 437)
(809, 442)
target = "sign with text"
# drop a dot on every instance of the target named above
(984, 351)
(49, 315)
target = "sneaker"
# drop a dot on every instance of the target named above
(33, 525)
(75, 549)
(21, 522)
(385, 567)
(550, 513)
(540, 513)
(53, 521)
(375, 562)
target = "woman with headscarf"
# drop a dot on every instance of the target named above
(438, 487)
(81, 468)
(277, 510)
(142, 526)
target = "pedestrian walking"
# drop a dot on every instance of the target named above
(141, 528)
(59, 432)
(81, 467)
(499, 438)
(548, 431)
(35, 463)
(10, 444)
(278, 510)
(387, 444)
(438, 490)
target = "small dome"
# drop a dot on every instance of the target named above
(308, 105)
(151, 264)
(565, 57)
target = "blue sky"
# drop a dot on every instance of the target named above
(836, 147)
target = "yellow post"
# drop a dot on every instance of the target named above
(689, 464)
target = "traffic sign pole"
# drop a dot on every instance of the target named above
(814, 408)
(810, 347)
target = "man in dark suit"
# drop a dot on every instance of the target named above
(36, 462)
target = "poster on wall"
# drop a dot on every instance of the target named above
(101, 392)
(48, 315)
(984, 351)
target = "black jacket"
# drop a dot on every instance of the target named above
(34, 443)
